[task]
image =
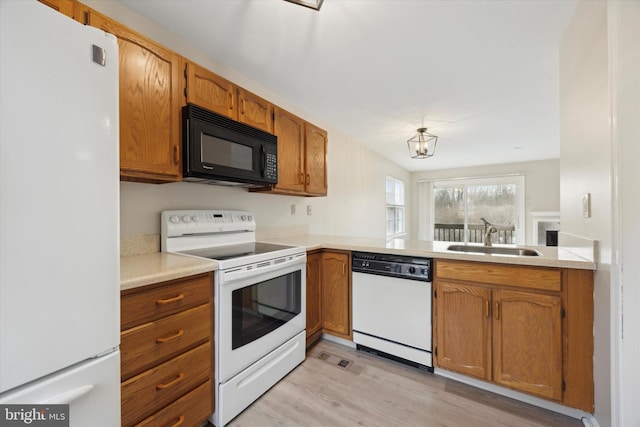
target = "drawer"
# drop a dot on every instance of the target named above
(154, 389)
(152, 304)
(147, 345)
(499, 274)
(186, 411)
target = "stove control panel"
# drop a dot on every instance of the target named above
(186, 222)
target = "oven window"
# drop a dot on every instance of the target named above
(218, 151)
(264, 307)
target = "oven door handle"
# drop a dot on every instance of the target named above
(233, 275)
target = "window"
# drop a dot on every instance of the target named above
(395, 207)
(459, 205)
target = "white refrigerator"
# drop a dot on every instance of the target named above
(59, 215)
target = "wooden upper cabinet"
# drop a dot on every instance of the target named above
(66, 7)
(463, 328)
(527, 342)
(315, 160)
(209, 90)
(255, 111)
(150, 105)
(290, 131)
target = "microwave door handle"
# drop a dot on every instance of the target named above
(263, 163)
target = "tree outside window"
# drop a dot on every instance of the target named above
(459, 205)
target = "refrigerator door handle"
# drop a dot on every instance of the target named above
(68, 396)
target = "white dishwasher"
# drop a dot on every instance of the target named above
(392, 306)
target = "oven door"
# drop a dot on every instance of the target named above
(259, 308)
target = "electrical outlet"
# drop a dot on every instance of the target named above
(586, 205)
(308, 209)
(293, 209)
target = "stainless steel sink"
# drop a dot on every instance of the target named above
(496, 250)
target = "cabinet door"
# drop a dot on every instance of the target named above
(66, 7)
(290, 132)
(314, 295)
(150, 103)
(315, 161)
(336, 303)
(255, 111)
(463, 329)
(209, 90)
(527, 342)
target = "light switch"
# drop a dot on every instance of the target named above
(586, 205)
(308, 209)
(293, 209)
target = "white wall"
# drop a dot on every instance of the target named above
(542, 185)
(600, 132)
(355, 204)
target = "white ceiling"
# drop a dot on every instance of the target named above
(480, 74)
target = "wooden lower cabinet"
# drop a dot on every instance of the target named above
(314, 296)
(328, 294)
(511, 325)
(167, 353)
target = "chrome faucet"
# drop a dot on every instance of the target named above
(488, 229)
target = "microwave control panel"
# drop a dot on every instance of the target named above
(271, 162)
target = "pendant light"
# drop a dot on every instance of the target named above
(422, 145)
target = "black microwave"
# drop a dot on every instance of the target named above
(219, 150)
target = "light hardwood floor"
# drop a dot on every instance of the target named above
(377, 392)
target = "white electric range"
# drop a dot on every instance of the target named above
(259, 297)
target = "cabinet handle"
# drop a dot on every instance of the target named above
(170, 338)
(486, 307)
(301, 178)
(497, 310)
(174, 381)
(230, 101)
(179, 422)
(169, 300)
(176, 155)
(242, 105)
(308, 179)
(344, 269)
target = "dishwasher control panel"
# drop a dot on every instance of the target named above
(406, 267)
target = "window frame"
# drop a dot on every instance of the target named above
(517, 180)
(397, 207)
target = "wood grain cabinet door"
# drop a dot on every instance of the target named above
(255, 111)
(66, 7)
(463, 329)
(209, 90)
(290, 132)
(527, 342)
(150, 103)
(335, 293)
(316, 161)
(314, 295)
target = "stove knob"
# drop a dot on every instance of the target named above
(412, 270)
(250, 218)
(186, 218)
(243, 217)
(175, 219)
(195, 218)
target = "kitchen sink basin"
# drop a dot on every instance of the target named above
(496, 250)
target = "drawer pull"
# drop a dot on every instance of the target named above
(486, 308)
(172, 337)
(174, 381)
(497, 305)
(179, 422)
(169, 300)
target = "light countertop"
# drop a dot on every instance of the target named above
(150, 268)
(146, 269)
(550, 256)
